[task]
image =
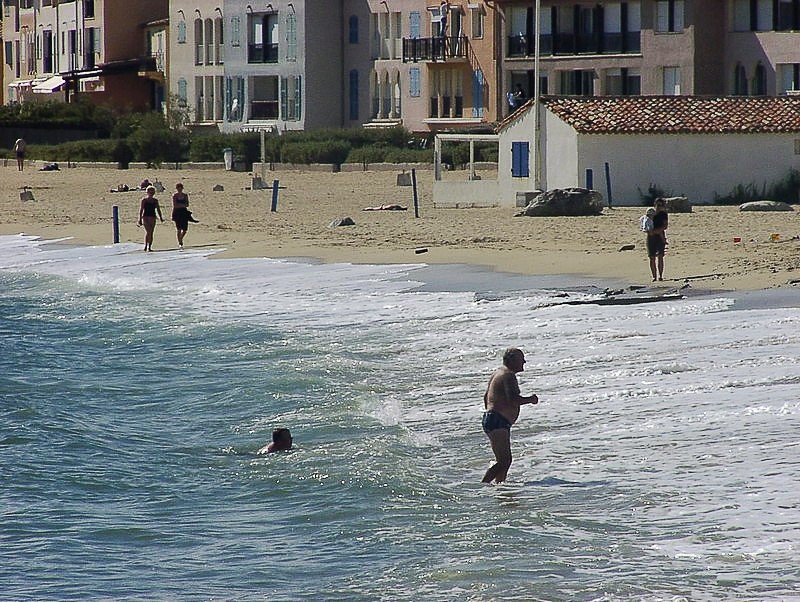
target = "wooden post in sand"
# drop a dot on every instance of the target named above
(115, 220)
(274, 195)
(608, 184)
(414, 186)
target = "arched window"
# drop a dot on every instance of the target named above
(353, 29)
(291, 37)
(760, 81)
(354, 95)
(198, 42)
(739, 81)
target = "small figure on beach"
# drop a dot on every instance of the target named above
(19, 151)
(180, 213)
(281, 441)
(148, 209)
(502, 402)
(657, 239)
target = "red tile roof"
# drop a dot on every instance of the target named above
(672, 114)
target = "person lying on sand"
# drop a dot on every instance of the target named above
(386, 208)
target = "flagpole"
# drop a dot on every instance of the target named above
(536, 92)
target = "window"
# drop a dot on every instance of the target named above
(623, 82)
(669, 16)
(520, 152)
(354, 95)
(788, 78)
(181, 32)
(672, 81)
(9, 53)
(788, 17)
(353, 29)
(182, 92)
(739, 80)
(198, 42)
(577, 83)
(234, 98)
(477, 22)
(413, 82)
(291, 37)
(759, 87)
(264, 97)
(262, 38)
(88, 9)
(236, 25)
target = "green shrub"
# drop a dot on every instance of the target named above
(653, 192)
(153, 142)
(409, 155)
(246, 147)
(78, 150)
(786, 190)
(332, 151)
(368, 154)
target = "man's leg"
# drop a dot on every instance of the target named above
(653, 267)
(661, 267)
(501, 446)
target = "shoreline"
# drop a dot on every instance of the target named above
(76, 204)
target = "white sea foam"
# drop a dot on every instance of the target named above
(660, 426)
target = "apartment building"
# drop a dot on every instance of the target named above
(434, 64)
(92, 47)
(653, 47)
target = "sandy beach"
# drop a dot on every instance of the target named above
(76, 203)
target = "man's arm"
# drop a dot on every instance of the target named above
(513, 394)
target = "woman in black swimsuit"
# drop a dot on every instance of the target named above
(147, 216)
(180, 212)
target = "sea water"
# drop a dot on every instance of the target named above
(662, 462)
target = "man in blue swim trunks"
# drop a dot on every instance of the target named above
(502, 401)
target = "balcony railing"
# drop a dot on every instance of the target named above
(262, 53)
(264, 109)
(434, 49)
(569, 44)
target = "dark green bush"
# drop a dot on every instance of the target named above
(245, 147)
(409, 155)
(786, 190)
(153, 142)
(368, 154)
(78, 150)
(332, 151)
(653, 192)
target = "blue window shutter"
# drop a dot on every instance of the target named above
(298, 98)
(413, 22)
(477, 93)
(413, 84)
(354, 95)
(353, 29)
(519, 159)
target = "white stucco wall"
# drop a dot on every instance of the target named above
(560, 158)
(696, 165)
(507, 187)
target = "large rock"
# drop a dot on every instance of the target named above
(677, 204)
(564, 202)
(342, 221)
(765, 206)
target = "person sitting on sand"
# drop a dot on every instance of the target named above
(281, 441)
(147, 216)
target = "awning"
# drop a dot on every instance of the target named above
(51, 84)
(20, 83)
